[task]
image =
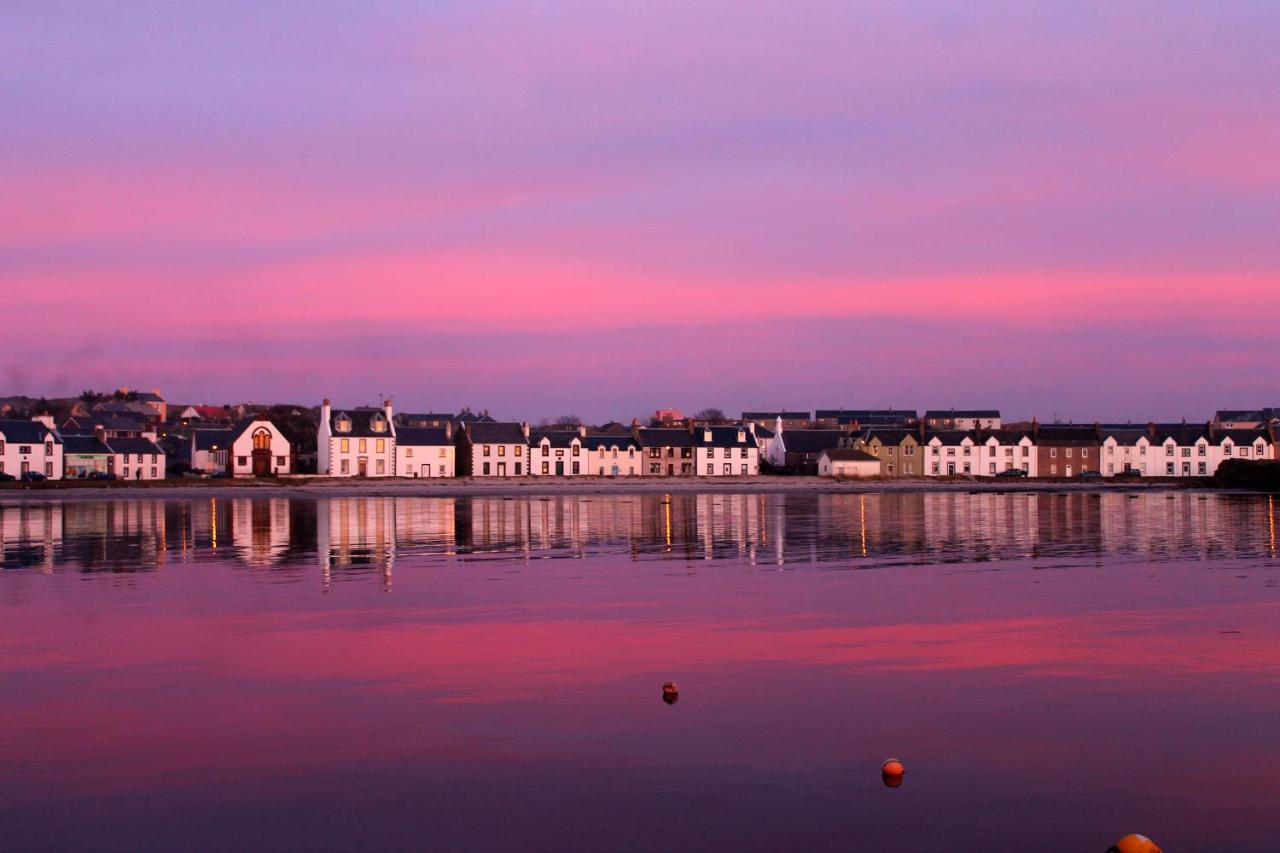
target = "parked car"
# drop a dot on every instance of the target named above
(7, 478)
(1130, 472)
(219, 475)
(1090, 475)
(32, 477)
(101, 475)
(1012, 472)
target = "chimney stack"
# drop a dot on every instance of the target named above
(326, 411)
(524, 428)
(386, 408)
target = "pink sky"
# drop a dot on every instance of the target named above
(575, 207)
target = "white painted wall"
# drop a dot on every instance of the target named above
(425, 460)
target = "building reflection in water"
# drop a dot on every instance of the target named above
(363, 537)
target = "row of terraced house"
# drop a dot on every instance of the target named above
(950, 443)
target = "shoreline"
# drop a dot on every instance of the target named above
(314, 487)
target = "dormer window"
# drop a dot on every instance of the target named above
(378, 423)
(342, 423)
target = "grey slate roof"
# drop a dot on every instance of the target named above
(622, 441)
(786, 416)
(1242, 436)
(493, 432)
(422, 437)
(134, 445)
(724, 437)
(812, 440)
(666, 437)
(27, 432)
(208, 439)
(360, 423)
(554, 437)
(84, 445)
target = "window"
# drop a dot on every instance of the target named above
(364, 445)
(48, 470)
(744, 470)
(992, 468)
(935, 467)
(1262, 449)
(1244, 451)
(502, 450)
(262, 439)
(967, 450)
(1226, 450)
(1168, 468)
(575, 467)
(576, 448)
(951, 451)
(382, 466)
(1026, 450)
(378, 423)
(1142, 450)
(1200, 449)
(711, 469)
(153, 472)
(342, 423)
(655, 453)
(279, 461)
(1168, 450)
(126, 473)
(1084, 453)
(486, 469)
(382, 445)
(516, 452)
(48, 448)
(408, 452)
(486, 450)
(1202, 469)
(346, 469)
(346, 445)
(24, 449)
(242, 461)
(546, 467)
(631, 453)
(743, 453)
(1068, 452)
(1053, 453)
(1186, 452)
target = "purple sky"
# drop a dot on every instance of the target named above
(541, 208)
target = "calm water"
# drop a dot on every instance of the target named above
(478, 673)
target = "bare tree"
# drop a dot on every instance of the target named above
(569, 421)
(711, 416)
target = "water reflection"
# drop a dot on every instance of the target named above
(364, 536)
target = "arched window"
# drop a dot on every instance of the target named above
(378, 423)
(262, 439)
(342, 423)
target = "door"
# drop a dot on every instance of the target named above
(502, 469)
(261, 462)
(1068, 470)
(560, 469)
(426, 470)
(1186, 469)
(26, 466)
(362, 468)
(951, 469)
(613, 470)
(671, 470)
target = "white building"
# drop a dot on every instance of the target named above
(962, 419)
(613, 455)
(1005, 450)
(724, 451)
(425, 452)
(1248, 444)
(492, 449)
(209, 450)
(358, 442)
(258, 449)
(847, 462)
(950, 453)
(1128, 449)
(1181, 450)
(557, 453)
(137, 458)
(31, 446)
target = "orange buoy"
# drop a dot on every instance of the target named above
(892, 767)
(1134, 844)
(670, 693)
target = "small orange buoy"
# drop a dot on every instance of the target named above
(670, 693)
(892, 767)
(1134, 844)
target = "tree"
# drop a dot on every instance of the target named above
(568, 421)
(711, 416)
